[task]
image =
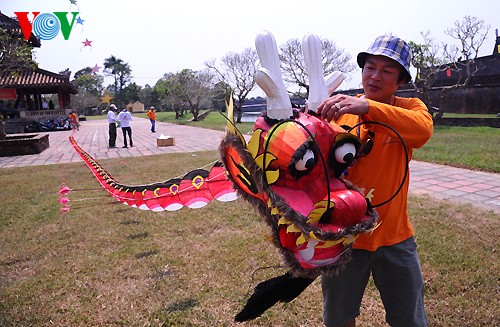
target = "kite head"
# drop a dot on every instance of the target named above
(291, 171)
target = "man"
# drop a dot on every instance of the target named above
(112, 126)
(152, 118)
(124, 118)
(389, 253)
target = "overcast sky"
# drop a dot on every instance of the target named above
(158, 37)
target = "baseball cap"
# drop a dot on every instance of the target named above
(391, 47)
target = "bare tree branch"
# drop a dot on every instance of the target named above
(238, 71)
(293, 66)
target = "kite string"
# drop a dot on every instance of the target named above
(64, 190)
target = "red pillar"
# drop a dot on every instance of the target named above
(60, 96)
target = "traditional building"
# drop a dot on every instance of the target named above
(136, 107)
(480, 95)
(27, 87)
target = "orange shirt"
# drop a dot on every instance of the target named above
(381, 172)
(151, 114)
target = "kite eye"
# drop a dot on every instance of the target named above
(345, 153)
(306, 162)
(303, 160)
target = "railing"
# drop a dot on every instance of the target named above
(44, 113)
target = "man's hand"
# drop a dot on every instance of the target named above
(337, 105)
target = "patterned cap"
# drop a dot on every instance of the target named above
(391, 47)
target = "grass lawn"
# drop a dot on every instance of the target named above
(475, 148)
(106, 264)
(455, 115)
(213, 121)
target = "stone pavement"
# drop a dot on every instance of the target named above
(455, 184)
(93, 138)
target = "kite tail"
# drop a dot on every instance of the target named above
(105, 179)
(194, 190)
(283, 288)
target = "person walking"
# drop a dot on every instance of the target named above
(152, 118)
(124, 118)
(389, 254)
(112, 126)
(73, 121)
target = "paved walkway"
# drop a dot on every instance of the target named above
(465, 186)
(93, 138)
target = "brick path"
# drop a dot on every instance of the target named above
(465, 186)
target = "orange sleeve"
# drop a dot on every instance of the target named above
(408, 116)
(382, 171)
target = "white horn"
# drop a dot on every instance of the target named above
(319, 89)
(269, 77)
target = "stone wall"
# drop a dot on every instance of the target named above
(23, 144)
(475, 99)
(468, 122)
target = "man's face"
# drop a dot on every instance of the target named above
(380, 78)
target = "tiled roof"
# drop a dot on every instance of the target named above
(38, 78)
(11, 24)
(8, 23)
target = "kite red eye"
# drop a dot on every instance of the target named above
(303, 160)
(345, 153)
(306, 162)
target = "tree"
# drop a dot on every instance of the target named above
(431, 59)
(131, 93)
(120, 71)
(197, 86)
(294, 69)
(470, 33)
(220, 95)
(83, 71)
(238, 71)
(15, 52)
(88, 81)
(110, 65)
(428, 59)
(186, 90)
(124, 76)
(150, 97)
(169, 88)
(89, 85)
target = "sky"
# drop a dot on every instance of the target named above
(158, 37)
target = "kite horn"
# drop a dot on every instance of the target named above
(269, 78)
(319, 87)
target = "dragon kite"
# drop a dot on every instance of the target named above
(291, 170)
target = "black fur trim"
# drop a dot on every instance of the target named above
(232, 140)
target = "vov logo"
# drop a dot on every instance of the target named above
(46, 26)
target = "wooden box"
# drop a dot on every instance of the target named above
(169, 141)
